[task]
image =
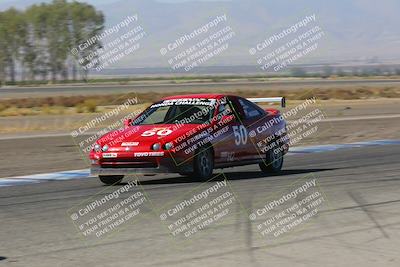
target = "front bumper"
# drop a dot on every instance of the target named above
(98, 170)
(151, 166)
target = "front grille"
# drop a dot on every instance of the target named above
(119, 166)
(128, 163)
(133, 160)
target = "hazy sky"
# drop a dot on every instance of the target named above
(19, 3)
(355, 30)
(177, 1)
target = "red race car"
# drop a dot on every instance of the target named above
(192, 135)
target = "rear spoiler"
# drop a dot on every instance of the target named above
(281, 100)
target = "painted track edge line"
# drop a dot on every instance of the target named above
(85, 173)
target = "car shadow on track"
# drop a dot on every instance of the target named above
(238, 175)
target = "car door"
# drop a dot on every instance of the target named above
(232, 145)
(250, 119)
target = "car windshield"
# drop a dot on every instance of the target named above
(178, 111)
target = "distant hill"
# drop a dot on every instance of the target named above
(356, 30)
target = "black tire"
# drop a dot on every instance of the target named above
(111, 179)
(273, 161)
(203, 164)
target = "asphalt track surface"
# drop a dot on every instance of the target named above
(358, 224)
(67, 90)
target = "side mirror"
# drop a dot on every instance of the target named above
(127, 123)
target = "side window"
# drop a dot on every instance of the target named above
(231, 106)
(250, 110)
(236, 107)
(225, 108)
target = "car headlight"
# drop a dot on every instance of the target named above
(105, 148)
(97, 147)
(168, 146)
(156, 146)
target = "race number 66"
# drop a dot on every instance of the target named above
(163, 132)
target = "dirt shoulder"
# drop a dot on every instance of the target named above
(347, 121)
(63, 124)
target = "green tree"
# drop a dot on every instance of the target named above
(13, 34)
(57, 36)
(85, 23)
(2, 50)
(34, 44)
(298, 72)
(40, 40)
(340, 72)
(327, 71)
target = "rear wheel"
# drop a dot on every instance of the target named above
(203, 164)
(273, 161)
(111, 179)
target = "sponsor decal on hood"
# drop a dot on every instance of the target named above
(130, 144)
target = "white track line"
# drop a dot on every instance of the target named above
(85, 173)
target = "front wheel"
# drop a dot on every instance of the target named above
(273, 161)
(204, 164)
(111, 179)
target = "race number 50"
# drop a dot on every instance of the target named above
(240, 133)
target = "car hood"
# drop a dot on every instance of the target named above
(147, 134)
